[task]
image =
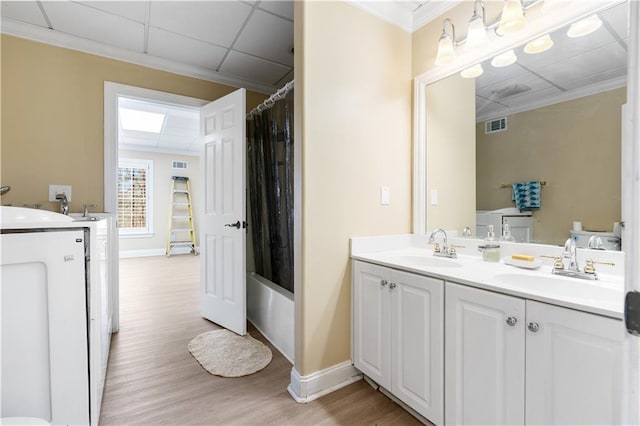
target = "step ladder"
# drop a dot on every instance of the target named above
(180, 216)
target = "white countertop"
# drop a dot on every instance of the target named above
(410, 253)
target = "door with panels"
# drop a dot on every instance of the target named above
(222, 233)
(371, 325)
(417, 342)
(574, 366)
(485, 353)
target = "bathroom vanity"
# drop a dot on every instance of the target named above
(462, 341)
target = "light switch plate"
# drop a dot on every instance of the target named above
(434, 197)
(57, 189)
(384, 196)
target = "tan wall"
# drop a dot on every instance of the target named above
(52, 117)
(162, 181)
(356, 136)
(451, 158)
(575, 147)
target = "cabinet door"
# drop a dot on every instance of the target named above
(417, 349)
(371, 325)
(573, 367)
(484, 371)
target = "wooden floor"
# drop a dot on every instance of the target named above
(152, 379)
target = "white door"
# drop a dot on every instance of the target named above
(371, 325)
(574, 371)
(418, 343)
(222, 226)
(484, 352)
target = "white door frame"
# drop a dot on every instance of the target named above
(111, 93)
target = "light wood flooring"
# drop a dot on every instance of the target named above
(152, 379)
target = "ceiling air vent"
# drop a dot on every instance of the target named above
(496, 125)
(179, 164)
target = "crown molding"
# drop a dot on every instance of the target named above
(592, 89)
(57, 38)
(430, 11)
(387, 11)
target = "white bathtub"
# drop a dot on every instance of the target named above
(270, 310)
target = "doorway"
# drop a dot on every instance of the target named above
(112, 93)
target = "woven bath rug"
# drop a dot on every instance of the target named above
(224, 353)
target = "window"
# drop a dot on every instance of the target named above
(135, 185)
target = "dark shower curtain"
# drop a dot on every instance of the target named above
(270, 187)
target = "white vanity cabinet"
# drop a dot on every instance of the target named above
(485, 353)
(574, 367)
(398, 335)
(504, 354)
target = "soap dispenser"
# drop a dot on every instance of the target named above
(490, 249)
(506, 234)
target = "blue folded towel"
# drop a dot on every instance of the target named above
(526, 195)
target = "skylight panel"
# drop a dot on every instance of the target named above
(141, 121)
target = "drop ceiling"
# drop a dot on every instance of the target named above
(572, 68)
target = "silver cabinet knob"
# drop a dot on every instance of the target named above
(511, 321)
(384, 282)
(392, 286)
(533, 327)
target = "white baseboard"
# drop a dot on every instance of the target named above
(125, 254)
(307, 388)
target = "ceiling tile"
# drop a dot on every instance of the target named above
(280, 8)
(23, 11)
(184, 49)
(134, 10)
(216, 22)
(616, 17)
(87, 22)
(586, 64)
(276, 47)
(253, 69)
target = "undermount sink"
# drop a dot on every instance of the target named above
(569, 288)
(426, 262)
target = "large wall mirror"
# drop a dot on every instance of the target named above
(553, 117)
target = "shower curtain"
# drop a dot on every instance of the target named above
(270, 187)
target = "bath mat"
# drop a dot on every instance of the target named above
(226, 354)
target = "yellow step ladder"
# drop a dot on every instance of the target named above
(180, 216)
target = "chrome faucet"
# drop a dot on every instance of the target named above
(573, 269)
(571, 253)
(64, 204)
(445, 250)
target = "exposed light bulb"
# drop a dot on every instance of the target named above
(512, 17)
(476, 34)
(585, 26)
(504, 59)
(539, 45)
(472, 72)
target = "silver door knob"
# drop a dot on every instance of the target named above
(511, 321)
(533, 327)
(392, 286)
(384, 282)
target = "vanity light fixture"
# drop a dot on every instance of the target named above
(539, 45)
(550, 6)
(477, 29)
(504, 59)
(512, 17)
(446, 53)
(473, 71)
(585, 26)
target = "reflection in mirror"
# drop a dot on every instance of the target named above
(553, 117)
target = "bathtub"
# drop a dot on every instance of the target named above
(270, 310)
